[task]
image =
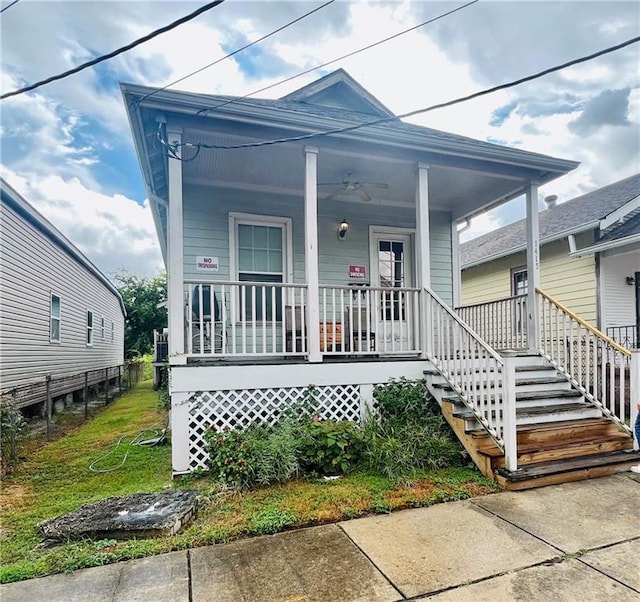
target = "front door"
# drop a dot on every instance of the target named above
(391, 273)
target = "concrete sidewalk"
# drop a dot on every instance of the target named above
(577, 541)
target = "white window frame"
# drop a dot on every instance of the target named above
(89, 329)
(251, 219)
(52, 317)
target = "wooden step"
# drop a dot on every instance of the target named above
(550, 433)
(566, 470)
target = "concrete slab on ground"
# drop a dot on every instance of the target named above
(431, 549)
(311, 565)
(573, 516)
(620, 562)
(162, 578)
(569, 581)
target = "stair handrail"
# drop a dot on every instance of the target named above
(601, 335)
(605, 384)
(492, 403)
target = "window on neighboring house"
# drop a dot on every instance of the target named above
(519, 281)
(89, 327)
(54, 330)
(113, 331)
(102, 328)
(261, 251)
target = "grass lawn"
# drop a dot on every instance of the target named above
(56, 479)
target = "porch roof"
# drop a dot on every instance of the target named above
(466, 176)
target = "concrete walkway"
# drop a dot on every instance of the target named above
(577, 541)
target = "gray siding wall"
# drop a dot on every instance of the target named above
(206, 232)
(32, 267)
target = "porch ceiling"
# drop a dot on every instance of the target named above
(460, 185)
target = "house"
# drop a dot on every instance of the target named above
(589, 250)
(309, 240)
(61, 319)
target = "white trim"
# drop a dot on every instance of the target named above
(606, 246)
(217, 378)
(619, 213)
(59, 317)
(311, 251)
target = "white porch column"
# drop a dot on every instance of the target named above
(423, 252)
(533, 267)
(311, 252)
(175, 252)
(180, 432)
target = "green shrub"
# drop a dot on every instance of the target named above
(403, 400)
(231, 459)
(397, 448)
(331, 447)
(274, 452)
(13, 431)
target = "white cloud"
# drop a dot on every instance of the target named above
(114, 232)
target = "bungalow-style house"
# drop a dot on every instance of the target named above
(309, 240)
(589, 257)
(61, 319)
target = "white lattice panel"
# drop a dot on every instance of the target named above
(239, 408)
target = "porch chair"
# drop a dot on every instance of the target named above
(212, 329)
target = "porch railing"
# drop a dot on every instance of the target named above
(595, 363)
(501, 323)
(227, 318)
(366, 320)
(483, 379)
(160, 346)
(627, 336)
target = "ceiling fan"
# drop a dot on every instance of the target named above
(351, 185)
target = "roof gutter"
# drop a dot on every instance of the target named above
(606, 246)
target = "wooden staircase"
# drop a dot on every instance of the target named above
(561, 437)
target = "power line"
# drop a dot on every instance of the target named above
(340, 58)
(8, 6)
(172, 148)
(137, 102)
(121, 50)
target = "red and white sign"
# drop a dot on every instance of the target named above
(206, 264)
(357, 272)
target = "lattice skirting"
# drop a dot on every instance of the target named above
(238, 408)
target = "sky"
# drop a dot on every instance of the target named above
(68, 150)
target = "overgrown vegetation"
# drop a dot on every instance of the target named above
(12, 434)
(57, 480)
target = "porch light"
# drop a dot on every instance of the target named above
(631, 280)
(343, 228)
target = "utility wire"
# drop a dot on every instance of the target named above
(137, 102)
(121, 50)
(340, 58)
(172, 148)
(8, 6)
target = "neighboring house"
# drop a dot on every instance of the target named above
(590, 253)
(60, 317)
(309, 240)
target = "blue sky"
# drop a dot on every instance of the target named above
(68, 149)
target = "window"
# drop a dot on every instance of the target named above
(261, 255)
(519, 281)
(102, 328)
(113, 331)
(89, 327)
(54, 329)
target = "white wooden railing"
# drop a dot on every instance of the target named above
(501, 323)
(366, 320)
(225, 318)
(595, 363)
(483, 379)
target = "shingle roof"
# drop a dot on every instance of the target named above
(582, 211)
(629, 227)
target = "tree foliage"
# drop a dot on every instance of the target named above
(141, 298)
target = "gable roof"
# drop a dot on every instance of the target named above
(19, 204)
(577, 215)
(339, 90)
